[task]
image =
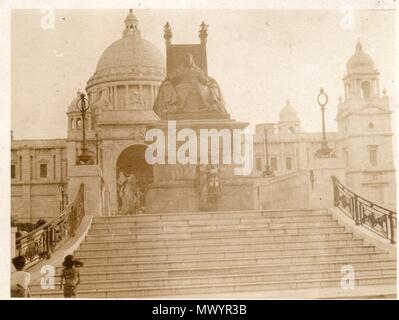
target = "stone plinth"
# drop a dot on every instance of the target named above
(176, 187)
(91, 177)
(322, 195)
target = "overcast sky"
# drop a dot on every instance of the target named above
(259, 58)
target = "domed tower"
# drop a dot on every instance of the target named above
(126, 81)
(364, 122)
(289, 121)
(361, 80)
(121, 94)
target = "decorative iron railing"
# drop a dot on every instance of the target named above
(41, 242)
(364, 212)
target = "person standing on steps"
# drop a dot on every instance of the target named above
(70, 276)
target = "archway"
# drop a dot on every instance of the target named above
(130, 162)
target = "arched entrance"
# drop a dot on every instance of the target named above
(133, 175)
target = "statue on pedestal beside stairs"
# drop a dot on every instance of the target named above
(127, 193)
(210, 187)
(189, 90)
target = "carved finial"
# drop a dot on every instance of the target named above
(203, 32)
(359, 46)
(167, 33)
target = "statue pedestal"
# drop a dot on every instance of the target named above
(91, 177)
(176, 187)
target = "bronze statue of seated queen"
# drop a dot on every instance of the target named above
(188, 90)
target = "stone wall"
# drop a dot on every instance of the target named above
(30, 203)
(289, 191)
(36, 196)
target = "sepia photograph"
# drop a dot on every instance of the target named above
(200, 152)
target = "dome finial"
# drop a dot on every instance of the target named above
(131, 25)
(359, 46)
(167, 33)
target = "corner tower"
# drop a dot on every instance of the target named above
(364, 122)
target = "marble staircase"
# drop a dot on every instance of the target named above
(185, 254)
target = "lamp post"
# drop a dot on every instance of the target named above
(83, 106)
(324, 151)
(268, 171)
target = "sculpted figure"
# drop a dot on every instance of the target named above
(127, 193)
(189, 89)
(103, 102)
(210, 187)
(138, 98)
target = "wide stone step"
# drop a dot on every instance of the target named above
(309, 229)
(156, 248)
(216, 239)
(132, 228)
(127, 268)
(232, 221)
(126, 281)
(204, 254)
(219, 288)
(320, 257)
(211, 215)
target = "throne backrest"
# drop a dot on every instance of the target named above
(175, 51)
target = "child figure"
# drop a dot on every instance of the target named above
(70, 277)
(20, 279)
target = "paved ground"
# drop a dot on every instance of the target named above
(374, 292)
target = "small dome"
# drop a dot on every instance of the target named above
(73, 106)
(360, 61)
(288, 113)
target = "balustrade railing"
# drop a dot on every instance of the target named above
(364, 212)
(41, 242)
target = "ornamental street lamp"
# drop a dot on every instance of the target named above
(268, 171)
(324, 151)
(83, 106)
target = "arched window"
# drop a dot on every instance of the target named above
(72, 124)
(78, 123)
(366, 90)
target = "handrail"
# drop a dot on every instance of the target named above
(39, 244)
(364, 212)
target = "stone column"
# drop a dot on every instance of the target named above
(116, 106)
(126, 96)
(152, 95)
(13, 237)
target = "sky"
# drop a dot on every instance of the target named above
(260, 58)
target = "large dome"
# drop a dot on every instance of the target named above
(130, 51)
(129, 58)
(360, 61)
